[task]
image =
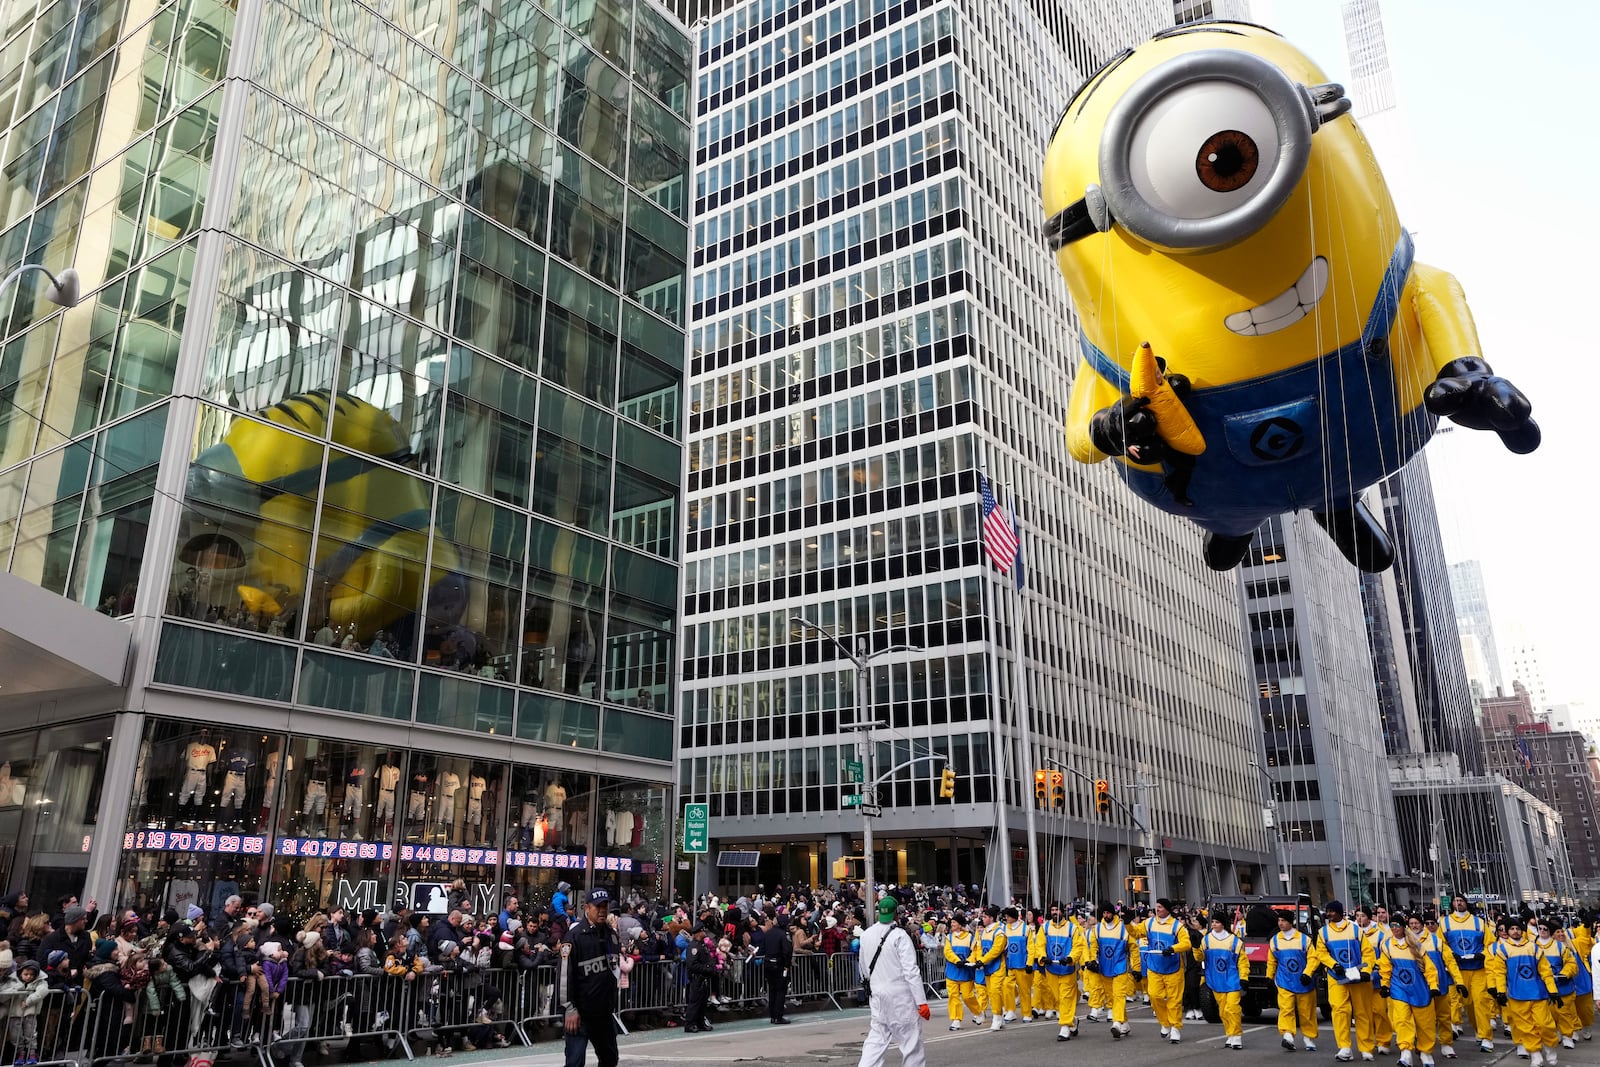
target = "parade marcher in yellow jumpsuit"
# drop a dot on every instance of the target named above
(1564, 966)
(1469, 938)
(1347, 959)
(1444, 961)
(1522, 984)
(1374, 924)
(961, 951)
(1164, 944)
(1226, 969)
(1113, 959)
(990, 974)
(1016, 988)
(1063, 948)
(1409, 981)
(1291, 962)
(1582, 942)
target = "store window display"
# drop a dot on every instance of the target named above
(200, 815)
(449, 850)
(631, 846)
(550, 818)
(335, 828)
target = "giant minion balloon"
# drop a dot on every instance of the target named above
(1256, 336)
(255, 492)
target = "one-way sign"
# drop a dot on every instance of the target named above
(696, 827)
(1147, 861)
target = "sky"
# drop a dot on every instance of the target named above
(1497, 172)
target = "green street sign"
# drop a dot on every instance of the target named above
(854, 769)
(697, 828)
(852, 800)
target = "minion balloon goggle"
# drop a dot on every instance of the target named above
(1237, 180)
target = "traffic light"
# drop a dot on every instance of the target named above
(1041, 789)
(1465, 866)
(1058, 791)
(1102, 796)
(947, 782)
(1134, 883)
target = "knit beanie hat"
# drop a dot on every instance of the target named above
(104, 949)
(195, 914)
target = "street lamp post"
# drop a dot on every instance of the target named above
(1269, 812)
(63, 288)
(862, 661)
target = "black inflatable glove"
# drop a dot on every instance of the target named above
(1469, 393)
(1127, 424)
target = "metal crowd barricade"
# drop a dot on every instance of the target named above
(933, 972)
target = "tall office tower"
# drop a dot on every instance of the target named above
(1373, 90)
(1391, 664)
(876, 317)
(1185, 11)
(1433, 645)
(1480, 653)
(1322, 737)
(364, 439)
(1555, 766)
(1523, 666)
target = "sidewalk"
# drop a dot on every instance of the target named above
(745, 1039)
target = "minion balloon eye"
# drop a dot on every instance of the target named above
(1200, 152)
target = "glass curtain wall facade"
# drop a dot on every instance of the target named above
(372, 402)
(874, 318)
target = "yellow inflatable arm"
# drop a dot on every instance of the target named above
(1090, 393)
(1447, 327)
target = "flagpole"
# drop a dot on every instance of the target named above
(997, 740)
(1019, 686)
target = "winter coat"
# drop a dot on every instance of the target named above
(21, 1000)
(277, 974)
(189, 960)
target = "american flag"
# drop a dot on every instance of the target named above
(999, 535)
(1524, 753)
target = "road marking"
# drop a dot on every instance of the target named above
(1221, 1037)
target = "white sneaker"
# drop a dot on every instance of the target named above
(1164, 1031)
(1447, 1051)
(1457, 1031)
(1051, 1014)
(1175, 1035)
(1367, 1057)
(1287, 1041)
(1405, 1058)
(955, 1024)
(1311, 1046)
(1234, 1042)
(1550, 1056)
(1485, 1045)
(1427, 1060)
(1120, 1030)
(1522, 1053)
(1064, 1034)
(1009, 1017)
(1537, 1060)
(1344, 1055)
(996, 1025)
(1567, 1042)
(1383, 1050)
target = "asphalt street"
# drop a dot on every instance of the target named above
(835, 1037)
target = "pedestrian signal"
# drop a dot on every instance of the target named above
(1134, 883)
(947, 783)
(1102, 796)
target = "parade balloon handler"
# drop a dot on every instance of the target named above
(893, 977)
(1256, 335)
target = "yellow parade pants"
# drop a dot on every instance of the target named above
(988, 992)
(1061, 992)
(1099, 989)
(1297, 1009)
(1532, 1025)
(1365, 1004)
(1566, 1016)
(1382, 1028)
(1016, 993)
(1341, 1010)
(1414, 1028)
(1585, 1010)
(1475, 1006)
(1166, 998)
(960, 993)
(1232, 1013)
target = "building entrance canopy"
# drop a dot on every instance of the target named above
(48, 644)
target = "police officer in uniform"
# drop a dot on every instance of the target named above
(778, 951)
(588, 983)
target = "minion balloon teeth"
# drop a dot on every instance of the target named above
(1209, 199)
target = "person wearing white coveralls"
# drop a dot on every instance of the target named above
(898, 1002)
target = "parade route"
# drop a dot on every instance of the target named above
(835, 1037)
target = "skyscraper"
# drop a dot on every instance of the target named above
(366, 425)
(1479, 650)
(1373, 90)
(876, 319)
(1322, 737)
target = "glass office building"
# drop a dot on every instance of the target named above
(875, 316)
(368, 424)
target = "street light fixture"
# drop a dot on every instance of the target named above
(862, 661)
(64, 288)
(1269, 817)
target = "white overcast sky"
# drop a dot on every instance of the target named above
(1502, 188)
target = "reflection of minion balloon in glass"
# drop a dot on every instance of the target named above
(255, 494)
(1256, 336)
